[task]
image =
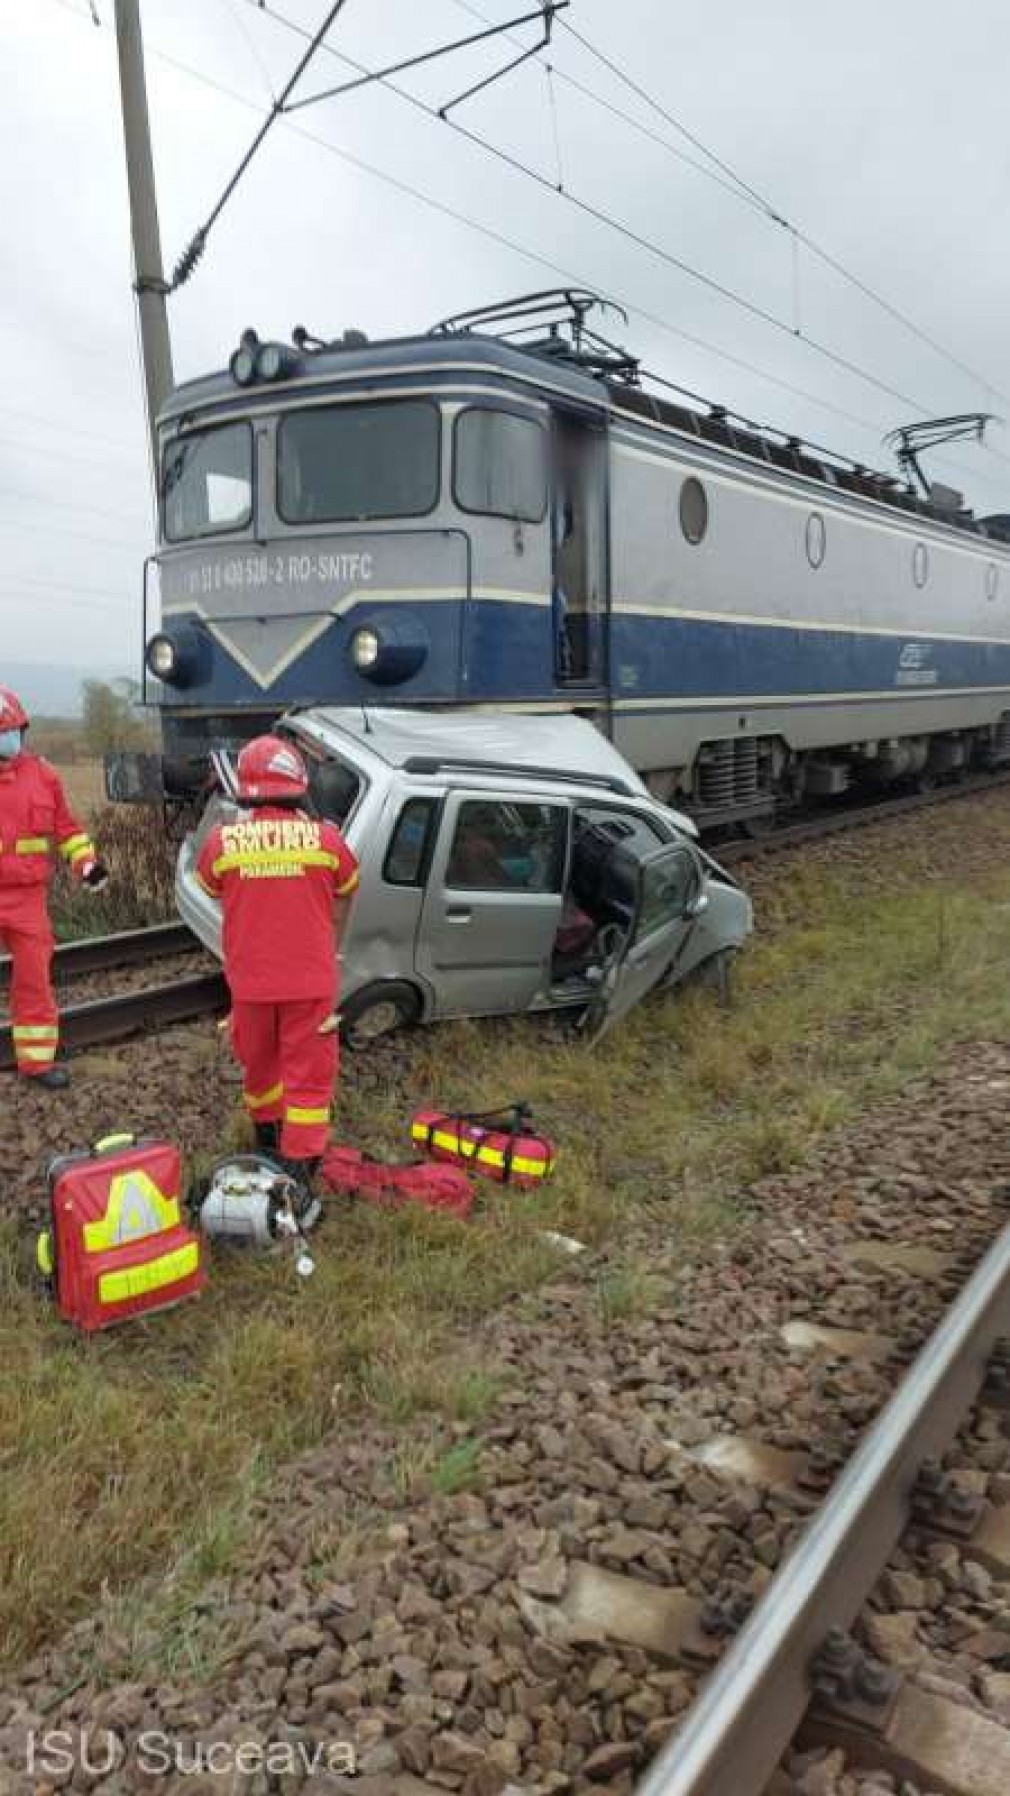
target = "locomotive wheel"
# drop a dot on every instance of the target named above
(376, 1011)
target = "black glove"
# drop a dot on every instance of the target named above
(97, 876)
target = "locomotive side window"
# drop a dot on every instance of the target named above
(344, 463)
(499, 465)
(693, 510)
(207, 482)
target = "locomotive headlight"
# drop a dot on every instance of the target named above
(390, 649)
(365, 649)
(162, 657)
(176, 657)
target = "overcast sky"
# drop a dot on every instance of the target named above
(879, 129)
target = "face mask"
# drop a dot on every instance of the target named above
(10, 744)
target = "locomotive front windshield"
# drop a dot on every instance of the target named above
(207, 482)
(346, 463)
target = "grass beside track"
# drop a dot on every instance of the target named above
(143, 1451)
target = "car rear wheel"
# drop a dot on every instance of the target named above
(377, 1011)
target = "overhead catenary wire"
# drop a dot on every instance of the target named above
(717, 170)
(489, 232)
(198, 242)
(285, 102)
(776, 216)
(492, 234)
(601, 216)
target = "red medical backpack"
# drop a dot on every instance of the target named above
(118, 1246)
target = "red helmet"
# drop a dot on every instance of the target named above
(13, 715)
(269, 769)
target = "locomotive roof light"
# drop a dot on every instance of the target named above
(275, 360)
(242, 364)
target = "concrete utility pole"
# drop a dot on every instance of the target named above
(149, 278)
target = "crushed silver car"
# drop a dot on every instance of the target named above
(508, 863)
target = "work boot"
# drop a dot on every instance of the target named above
(267, 1137)
(55, 1078)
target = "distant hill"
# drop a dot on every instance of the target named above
(50, 691)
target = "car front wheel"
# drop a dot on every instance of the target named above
(377, 1011)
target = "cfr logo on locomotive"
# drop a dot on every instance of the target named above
(913, 665)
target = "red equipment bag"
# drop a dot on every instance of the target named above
(498, 1144)
(118, 1246)
(353, 1174)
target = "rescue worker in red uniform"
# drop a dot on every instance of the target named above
(35, 819)
(284, 879)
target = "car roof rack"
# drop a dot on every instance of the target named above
(441, 763)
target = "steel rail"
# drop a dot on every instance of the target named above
(813, 829)
(128, 947)
(750, 1708)
(115, 1019)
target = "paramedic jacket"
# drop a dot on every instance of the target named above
(278, 874)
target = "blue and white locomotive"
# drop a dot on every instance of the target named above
(498, 513)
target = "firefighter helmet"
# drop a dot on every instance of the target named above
(13, 715)
(270, 769)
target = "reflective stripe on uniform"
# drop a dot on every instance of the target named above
(348, 886)
(296, 1114)
(273, 857)
(137, 1281)
(75, 846)
(35, 1031)
(32, 845)
(474, 1150)
(22, 1053)
(258, 1100)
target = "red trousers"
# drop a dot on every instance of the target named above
(26, 933)
(289, 1070)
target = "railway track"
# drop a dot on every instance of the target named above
(795, 1662)
(841, 822)
(127, 948)
(99, 1021)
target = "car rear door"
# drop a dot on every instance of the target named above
(493, 901)
(670, 898)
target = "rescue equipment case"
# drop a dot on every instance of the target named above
(354, 1174)
(499, 1144)
(118, 1246)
